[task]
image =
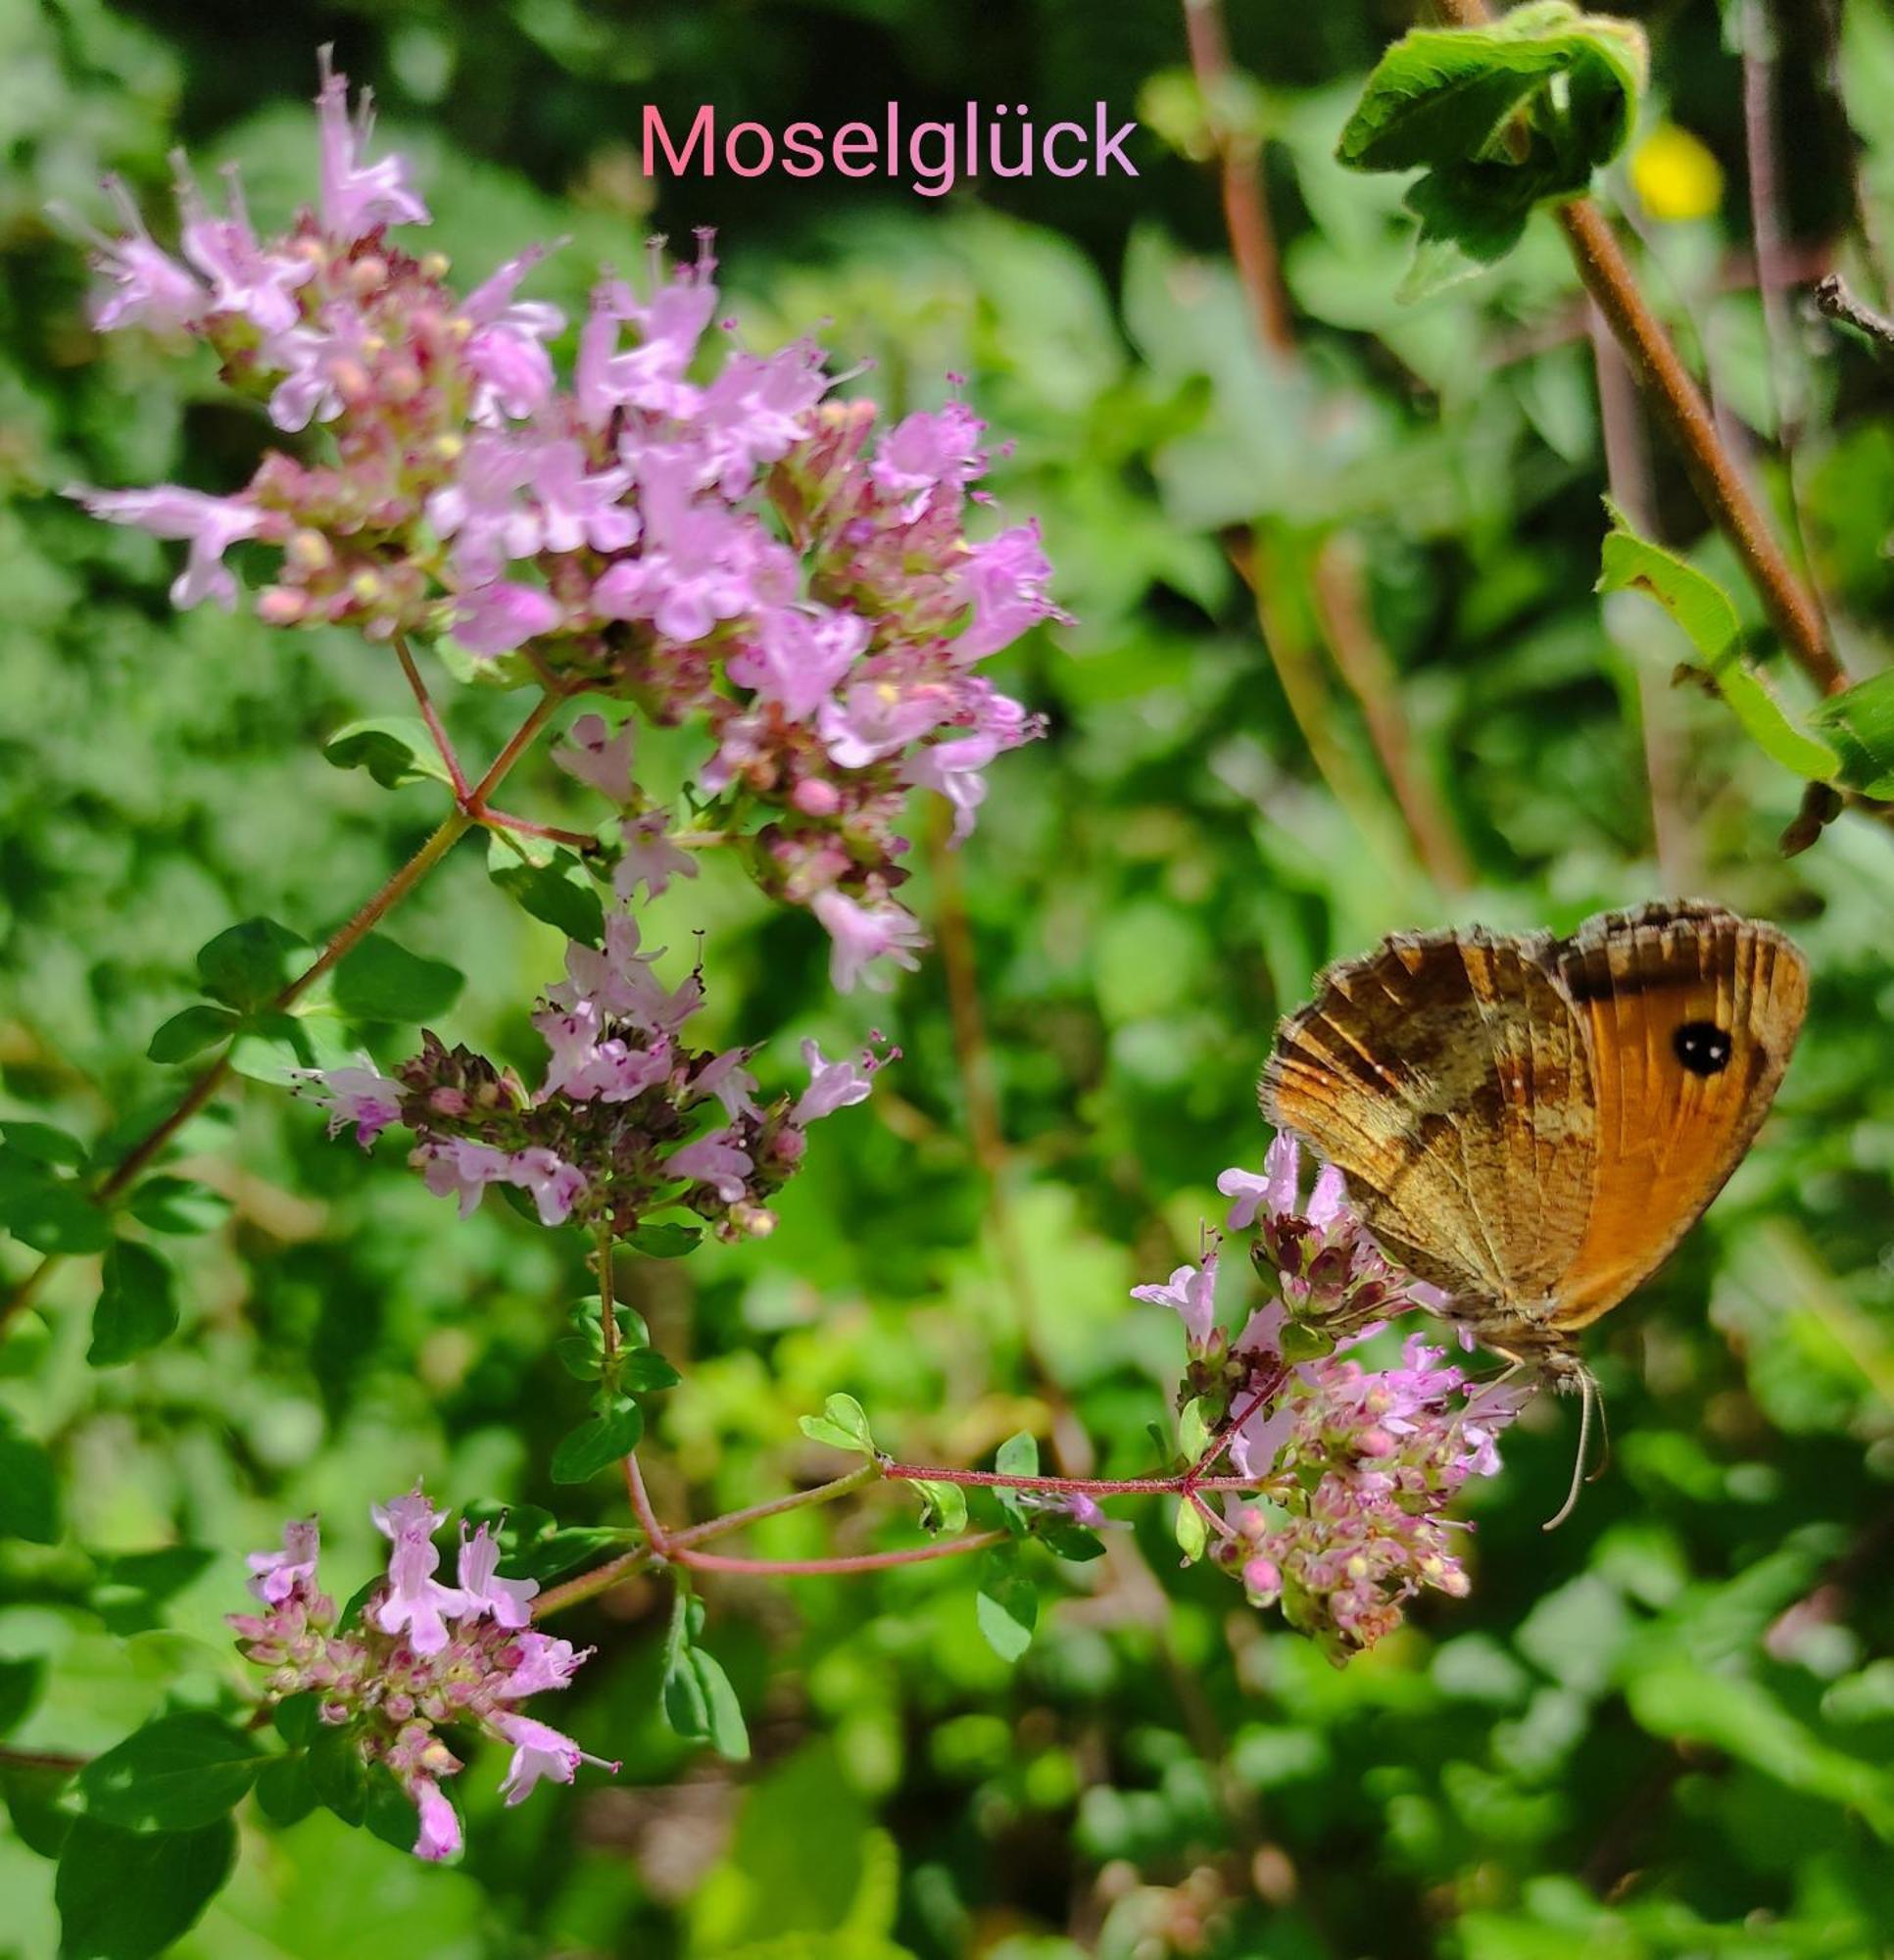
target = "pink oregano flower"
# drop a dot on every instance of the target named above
(1351, 1468)
(423, 1657)
(741, 551)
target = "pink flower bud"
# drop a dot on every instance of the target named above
(816, 798)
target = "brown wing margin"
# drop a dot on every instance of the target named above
(1670, 1137)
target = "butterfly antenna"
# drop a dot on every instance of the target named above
(1588, 1398)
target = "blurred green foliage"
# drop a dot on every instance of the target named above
(1666, 1730)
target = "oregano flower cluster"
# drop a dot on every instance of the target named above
(697, 530)
(416, 1655)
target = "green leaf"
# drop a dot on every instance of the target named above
(597, 1445)
(128, 1895)
(1193, 1534)
(298, 1719)
(380, 981)
(389, 1812)
(1501, 119)
(338, 1775)
(131, 1588)
(944, 1506)
(724, 1728)
(395, 748)
(191, 1031)
(46, 1211)
(285, 1790)
(177, 1206)
(1007, 1604)
(174, 1774)
(19, 1685)
(581, 1358)
(44, 1143)
(249, 963)
(1017, 1456)
(665, 1240)
(275, 1048)
(28, 1489)
(842, 1425)
(137, 1305)
(645, 1371)
(1860, 722)
(1192, 1432)
(558, 893)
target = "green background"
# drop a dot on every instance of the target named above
(1662, 1730)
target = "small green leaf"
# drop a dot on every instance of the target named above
(1007, 1604)
(380, 981)
(843, 1425)
(724, 1728)
(664, 1240)
(249, 963)
(46, 1211)
(130, 1895)
(944, 1506)
(298, 1719)
(285, 1790)
(581, 1358)
(177, 1206)
(276, 1047)
(174, 1774)
(1860, 722)
(191, 1031)
(558, 893)
(44, 1143)
(1017, 1456)
(645, 1371)
(137, 1305)
(338, 1774)
(28, 1489)
(395, 748)
(389, 1811)
(1192, 1432)
(19, 1685)
(1193, 1534)
(597, 1445)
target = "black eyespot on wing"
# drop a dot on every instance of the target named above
(1702, 1047)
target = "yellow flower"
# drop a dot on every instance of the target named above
(1674, 175)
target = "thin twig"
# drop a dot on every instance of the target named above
(1834, 299)
(1245, 210)
(974, 1055)
(577, 840)
(820, 1568)
(443, 744)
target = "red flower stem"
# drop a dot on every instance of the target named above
(443, 744)
(500, 819)
(1209, 1517)
(818, 1568)
(1077, 1487)
(207, 1084)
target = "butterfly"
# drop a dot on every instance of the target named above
(1532, 1123)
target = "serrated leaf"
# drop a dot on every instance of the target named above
(174, 1774)
(558, 893)
(395, 748)
(137, 1305)
(597, 1445)
(842, 1425)
(130, 1895)
(191, 1031)
(944, 1506)
(249, 963)
(382, 981)
(1007, 1605)
(1501, 117)
(1709, 620)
